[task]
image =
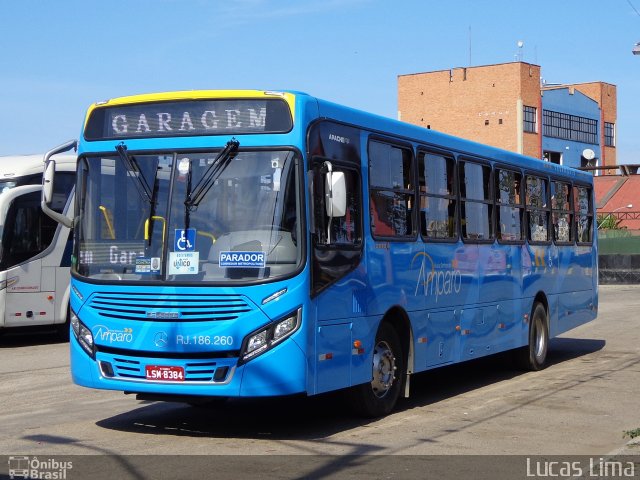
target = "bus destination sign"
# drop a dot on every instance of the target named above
(189, 117)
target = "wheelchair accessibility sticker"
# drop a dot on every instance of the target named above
(185, 240)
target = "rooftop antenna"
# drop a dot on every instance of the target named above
(469, 45)
(636, 47)
(520, 56)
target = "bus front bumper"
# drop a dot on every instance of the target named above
(280, 371)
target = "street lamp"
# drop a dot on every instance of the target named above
(611, 213)
(636, 49)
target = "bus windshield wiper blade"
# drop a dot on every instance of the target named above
(221, 162)
(152, 206)
(130, 163)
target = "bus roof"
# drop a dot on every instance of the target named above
(428, 137)
(19, 165)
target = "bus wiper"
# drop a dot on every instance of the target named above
(188, 207)
(130, 163)
(152, 207)
(221, 162)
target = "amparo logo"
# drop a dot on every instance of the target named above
(101, 332)
(444, 280)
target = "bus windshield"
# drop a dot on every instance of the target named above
(243, 229)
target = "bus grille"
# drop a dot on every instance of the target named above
(169, 308)
(197, 371)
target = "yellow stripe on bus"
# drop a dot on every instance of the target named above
(290, 98)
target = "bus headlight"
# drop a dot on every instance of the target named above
(269, 336)
(75, 322)
(82, 334)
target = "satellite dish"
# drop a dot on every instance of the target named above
(588, 154)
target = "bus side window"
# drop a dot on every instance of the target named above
(436, 180)
(536, 189)
(62, 186)
(27, 231)
(583, 206)
(391, 190)
(510, 205)
(345, 230)
(476, 201)
(562, 212)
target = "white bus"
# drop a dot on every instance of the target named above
(35, 251)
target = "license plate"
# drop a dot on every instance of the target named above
(165, 374)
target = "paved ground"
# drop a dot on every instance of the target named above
(581, 404)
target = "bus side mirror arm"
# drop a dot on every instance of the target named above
(47, 183)
(335, 196)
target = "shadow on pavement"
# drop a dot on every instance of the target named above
(30, 336)
(299, 418)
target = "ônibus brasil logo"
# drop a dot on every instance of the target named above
(35, 468)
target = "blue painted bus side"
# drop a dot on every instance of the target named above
(481, 297)
(451, 302)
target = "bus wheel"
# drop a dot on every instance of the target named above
(379, 397)
(534, 356)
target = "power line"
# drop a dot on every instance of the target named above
(634, 8)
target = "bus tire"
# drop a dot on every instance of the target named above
(379, 397)
(533, 357)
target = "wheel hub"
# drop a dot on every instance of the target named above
(384, 367)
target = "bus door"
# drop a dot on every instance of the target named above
(339, 289)
(337, 281)
(26, 233)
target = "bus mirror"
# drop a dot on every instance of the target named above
(47, 181)
(336, 192)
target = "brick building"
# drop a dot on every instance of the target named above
(505, 106)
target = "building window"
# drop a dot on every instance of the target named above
(529, 120)
(569, 127)
(609, 134)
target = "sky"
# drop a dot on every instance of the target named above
(58, 57)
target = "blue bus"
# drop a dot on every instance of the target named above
(260, 243)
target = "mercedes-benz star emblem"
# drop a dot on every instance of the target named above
(161, 339)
